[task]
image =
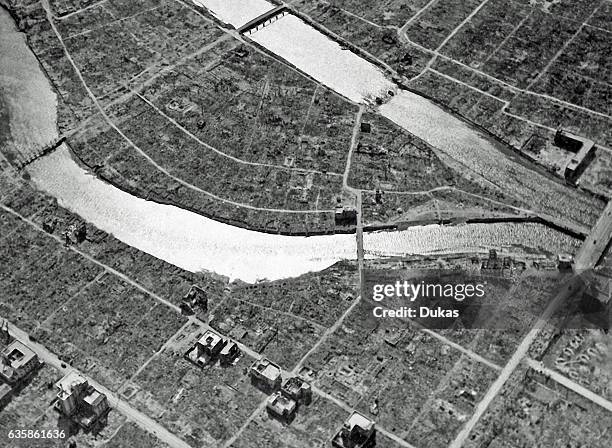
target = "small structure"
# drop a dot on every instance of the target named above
(195, 300)
(49, 224)
(241, 52)
(266, 376)
(565, 262)
(492, 262)
(75, 234)
(281, 407)
(81, 402)
(357, 432)
(345, 217)
(17, 362)
(378, 196)
(584, 149)
(298, 390)
(206, 350)
(366, 127)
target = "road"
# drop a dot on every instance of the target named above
(572, 385)
(116, 403)
(513, 363)
(587, 257)
(347, 408)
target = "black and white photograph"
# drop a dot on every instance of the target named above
(305, 223)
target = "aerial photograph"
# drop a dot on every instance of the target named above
(305, 223)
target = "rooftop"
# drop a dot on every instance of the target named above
(357, 419)
(68, 383)
(280, 404)
(294, 385)
(210, 339)
(18, 354)
(267, 369)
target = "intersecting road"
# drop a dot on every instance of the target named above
(120, 405)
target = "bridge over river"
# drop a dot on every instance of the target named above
(263, 20)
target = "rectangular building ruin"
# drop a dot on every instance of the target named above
(81, 402)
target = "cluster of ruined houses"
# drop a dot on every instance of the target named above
(76, 399)
(285, 399)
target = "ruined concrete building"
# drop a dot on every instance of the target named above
(206, 350)
(565, 262)
(584, 149)
(75, 233)
(266, 376)
(298, 390)
(195, 300)
(357, 432)
(345, 217)
(17, 362)
(281, 407)
(81, 402)
(229, 354)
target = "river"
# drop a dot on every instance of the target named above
(27, 99)
(196, 243)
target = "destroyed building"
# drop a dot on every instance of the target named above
(229, 354)
(194, 301)
(207, 349)
(365, 127)
(266, 376)
(565, 262)
(81, 402)
(281, 407)
(283, 404)
(357, 432)
(345, 217)
(583, 148)
(75, 233)
(298, 390)
(17, 362)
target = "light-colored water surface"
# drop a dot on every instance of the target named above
(433, 239)
(196, 243)
(26, 91)
(323, 59)
(441, 129)
(235, 12)
(183, 238)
